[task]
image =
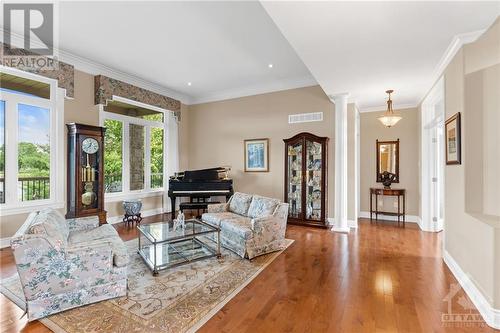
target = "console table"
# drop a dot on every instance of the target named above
(400, 193)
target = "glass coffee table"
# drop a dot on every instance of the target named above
(163, 247)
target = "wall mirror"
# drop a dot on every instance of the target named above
(388, 159)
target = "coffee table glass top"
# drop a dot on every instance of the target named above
(160, 232)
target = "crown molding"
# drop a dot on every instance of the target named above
(96, 68)
(455, 45)
(280, 85)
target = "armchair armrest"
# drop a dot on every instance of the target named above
(274, 224)
(83, 223)
(218, 208)
(44, 268)
(268, 224)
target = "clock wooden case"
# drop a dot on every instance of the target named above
(85, 171)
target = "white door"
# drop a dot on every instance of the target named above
(432, 162)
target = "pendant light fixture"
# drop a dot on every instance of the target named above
(389, 118)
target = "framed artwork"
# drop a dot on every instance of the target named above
(453, 139)
(257, 155)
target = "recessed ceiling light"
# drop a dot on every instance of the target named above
(189, 83)
(270, 65)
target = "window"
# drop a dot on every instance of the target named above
(113, 156)
(134, 148)
(30, 152)
(33, 152)
(156, 147)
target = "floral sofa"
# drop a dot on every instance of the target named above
(250, 225)
(64, 264)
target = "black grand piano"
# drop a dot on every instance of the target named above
(199, 186)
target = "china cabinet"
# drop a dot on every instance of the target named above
(306, 179)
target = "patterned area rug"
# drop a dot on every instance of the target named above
(181, 299)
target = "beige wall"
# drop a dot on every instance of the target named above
(80, 109)
(471, 238)
(407, 131)
(217, 131)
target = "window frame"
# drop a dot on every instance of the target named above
(57, 173)
(147, 191)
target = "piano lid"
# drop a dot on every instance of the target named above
(202, 174)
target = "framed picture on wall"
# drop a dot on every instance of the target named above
(257, 155)
(453, 139)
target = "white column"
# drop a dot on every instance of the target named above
(340, 220)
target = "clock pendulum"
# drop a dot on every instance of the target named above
(90, 146)
(88, 174)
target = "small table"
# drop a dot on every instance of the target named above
(162, 247)
(400, 193)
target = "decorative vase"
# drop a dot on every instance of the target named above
(132, 207)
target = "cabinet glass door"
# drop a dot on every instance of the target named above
(295, 179)
(314, 163)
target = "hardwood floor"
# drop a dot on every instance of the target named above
(378, 278)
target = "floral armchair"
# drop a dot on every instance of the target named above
(64, 264)
(251, 225)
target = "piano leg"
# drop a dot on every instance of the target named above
(172, 200)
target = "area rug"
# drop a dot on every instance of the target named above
(181, 299)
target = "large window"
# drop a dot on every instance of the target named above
(134, 151)
(29, 148)
(113, 156)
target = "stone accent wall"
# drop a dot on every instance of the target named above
(136, 134)
(106, 87)
(64, 73)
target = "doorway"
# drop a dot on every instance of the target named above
(433, 159)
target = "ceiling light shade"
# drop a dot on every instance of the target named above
(389, 118)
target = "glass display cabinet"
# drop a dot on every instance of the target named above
(306, 179)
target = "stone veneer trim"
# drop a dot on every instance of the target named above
(105, 87)
(64, 74)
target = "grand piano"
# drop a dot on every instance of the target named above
(200, 184)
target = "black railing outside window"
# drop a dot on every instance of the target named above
(156, 180)
(30, 188)
(112, 183)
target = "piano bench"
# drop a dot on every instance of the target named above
(196, 205)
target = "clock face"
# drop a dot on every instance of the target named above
(90, 145)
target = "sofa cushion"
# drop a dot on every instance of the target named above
(105, 232)
(47, 223)
(262, 206)
(240, 202)
(216, 218)
(239, 226)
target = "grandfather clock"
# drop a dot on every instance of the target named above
(85, 171)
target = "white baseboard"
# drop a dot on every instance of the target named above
(490, 315)
(4, 242)
(146, 213)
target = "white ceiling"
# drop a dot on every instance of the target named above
(365, 48)
(222, 48)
